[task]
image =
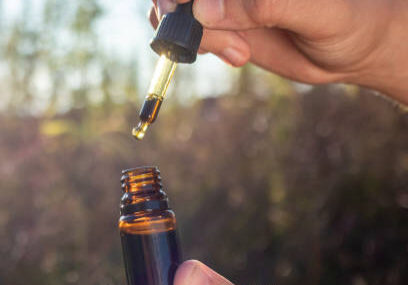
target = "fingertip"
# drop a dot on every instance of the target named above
(193, 272)
(227, 45)
(165, 6)
(234, 56)
(152, 15)
(190, 273)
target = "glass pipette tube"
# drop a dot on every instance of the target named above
(162, 76)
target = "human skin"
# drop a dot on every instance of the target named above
(193, 272)
(363, 42)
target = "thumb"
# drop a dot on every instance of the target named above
(301, 16)
(193, 272)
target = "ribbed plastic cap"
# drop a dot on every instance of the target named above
(178, 35)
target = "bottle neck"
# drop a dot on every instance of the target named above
(142, 191)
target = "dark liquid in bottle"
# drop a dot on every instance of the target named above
(151, 259)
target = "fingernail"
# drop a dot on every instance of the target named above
(165, 7)
(233, 56)
(209, 12)
(191, 274)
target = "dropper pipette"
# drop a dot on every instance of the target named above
(177, 40)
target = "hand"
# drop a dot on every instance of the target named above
(193, 272)
(362, 42)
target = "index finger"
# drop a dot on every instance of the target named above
(309, 18)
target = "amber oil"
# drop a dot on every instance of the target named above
(148, 229)
(162, 76)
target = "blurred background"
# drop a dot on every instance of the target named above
(273, 182)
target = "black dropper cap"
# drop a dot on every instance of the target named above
(178, 35)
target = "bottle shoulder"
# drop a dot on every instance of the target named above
(148, 222)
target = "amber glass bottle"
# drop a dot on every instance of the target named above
(148, 229)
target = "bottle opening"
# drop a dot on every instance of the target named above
(141, 179)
